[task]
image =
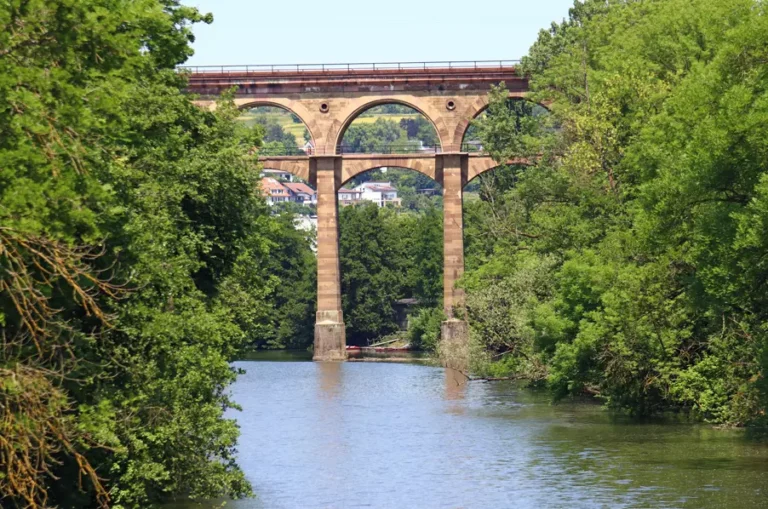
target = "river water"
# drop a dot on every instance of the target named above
(389, 435)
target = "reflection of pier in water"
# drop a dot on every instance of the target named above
(330, 379)
(455, 383)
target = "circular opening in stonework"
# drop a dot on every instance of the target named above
(451, 105)
(324, 107)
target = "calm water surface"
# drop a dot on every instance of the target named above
(383, 435)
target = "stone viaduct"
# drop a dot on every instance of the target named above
(327, 98)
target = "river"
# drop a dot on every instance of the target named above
(390, 435)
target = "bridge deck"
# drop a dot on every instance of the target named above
(327, 99)
(309, 78)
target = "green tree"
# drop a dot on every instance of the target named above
(639, 211)
(371, 278)
(421, 129)
(134, 260)
(424, 247)
(380, 136)
(294, 300)
(387, 255)
(276, 139)
(424, 329)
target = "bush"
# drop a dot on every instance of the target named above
(424, 329)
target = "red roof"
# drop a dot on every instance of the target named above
(299, 187)
(273, 187)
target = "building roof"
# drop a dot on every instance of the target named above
(273, 187)
(299, 187)
(378, 186)
(349, 191)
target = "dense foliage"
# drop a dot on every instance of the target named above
(293, 302)
(136, 259)
(628, 259)
(272, 120)
(406, 131)
(424, 328)
(387, 255)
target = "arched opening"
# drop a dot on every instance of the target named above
(520, 113)
(283, 132)
(391, 258)
(388, 128)
(487, 212)
(285, 190)
(492, 182)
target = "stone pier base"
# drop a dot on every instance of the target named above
(330, 342)
(454, 345)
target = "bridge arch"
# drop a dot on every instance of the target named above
(476, 108)
(354, 110)
(296, 166)
(480, 165)
(352, 168)
(295, 108)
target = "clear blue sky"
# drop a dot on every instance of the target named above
(301, 31)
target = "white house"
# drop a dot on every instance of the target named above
(381, 193)
(349, 196)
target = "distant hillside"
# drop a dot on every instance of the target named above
(291, 124)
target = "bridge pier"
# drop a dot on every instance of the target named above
(330, 333)
(454, 342)
(327, 100)
(451, 169)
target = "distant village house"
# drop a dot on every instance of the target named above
(302, 193)
(274, 191)
(349, 196)
(380, 193)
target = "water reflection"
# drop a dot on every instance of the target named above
(339, 435)
(329, 379)
(455, 384)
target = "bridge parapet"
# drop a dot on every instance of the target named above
(349, 68)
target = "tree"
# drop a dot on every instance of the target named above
(425, 249)
(387, 255)
(371, 279)
(638, 214)
(421, 129)
(275, 139)
(294, 300)
(379, 136)
(134, 260)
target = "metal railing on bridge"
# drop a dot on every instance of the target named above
(392, 148)
(349, 67)
(384, 149)
(472, 146)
